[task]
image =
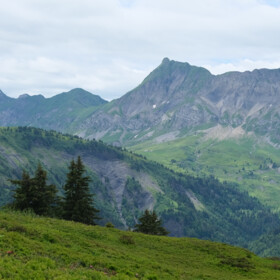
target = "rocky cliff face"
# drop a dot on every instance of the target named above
(178, 98)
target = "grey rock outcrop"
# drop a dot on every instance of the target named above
(180, 97)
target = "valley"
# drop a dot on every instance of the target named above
(126, 184)
(252, 164)
(140, 140)
(187, 126)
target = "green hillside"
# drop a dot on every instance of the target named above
(59, 112)
(42, 248)
(126, 184)
(253, 165)
(267, 244)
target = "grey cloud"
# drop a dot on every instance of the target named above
(108, 47)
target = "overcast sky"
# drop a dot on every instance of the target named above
(108, 46)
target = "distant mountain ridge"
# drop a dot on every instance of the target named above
(178, 98)
(56, 113)
(173, 100)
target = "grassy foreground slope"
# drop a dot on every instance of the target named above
(43, 248)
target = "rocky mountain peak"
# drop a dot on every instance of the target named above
(165, 60)
(177, 96)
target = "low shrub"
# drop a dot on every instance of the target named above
(109, 225)
(241, 263)
(127, 239)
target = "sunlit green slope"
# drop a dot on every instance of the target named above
(253, 165)
(44, 248)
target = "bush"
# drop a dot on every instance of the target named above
(109, 225)
(241, 263)
(127, 239)
(276, 266)
(18, 228)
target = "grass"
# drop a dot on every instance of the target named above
(242, 161)
(43, 248)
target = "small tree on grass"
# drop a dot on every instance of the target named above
(150, 224)
(34, 193)
(78, 201)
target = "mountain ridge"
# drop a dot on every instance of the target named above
(178, 96)
(175, 97)
(52, 113)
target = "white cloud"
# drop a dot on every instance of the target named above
(108, 47)
(243, 65)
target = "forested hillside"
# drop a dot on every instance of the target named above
(126, 184)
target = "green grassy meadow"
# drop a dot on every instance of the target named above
(34, 247)
(255, 167)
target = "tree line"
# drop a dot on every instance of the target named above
(36, 195)
(33, 193)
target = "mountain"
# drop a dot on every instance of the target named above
(174, 100)
(178, 99)
(57, 112)
(126, 184)
(192, 121)
(181, 116)
(151, 108)
(43, 248)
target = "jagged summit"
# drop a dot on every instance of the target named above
(165, 60)
(178, 97)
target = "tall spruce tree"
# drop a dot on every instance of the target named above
(23, 195)
(150, 224)
(78, 201)
(44, 195)
(34, 193)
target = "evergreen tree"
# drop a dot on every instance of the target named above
(44, 195)
(23, 195)
(150, 224)
(78, 202)
(34, 193)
